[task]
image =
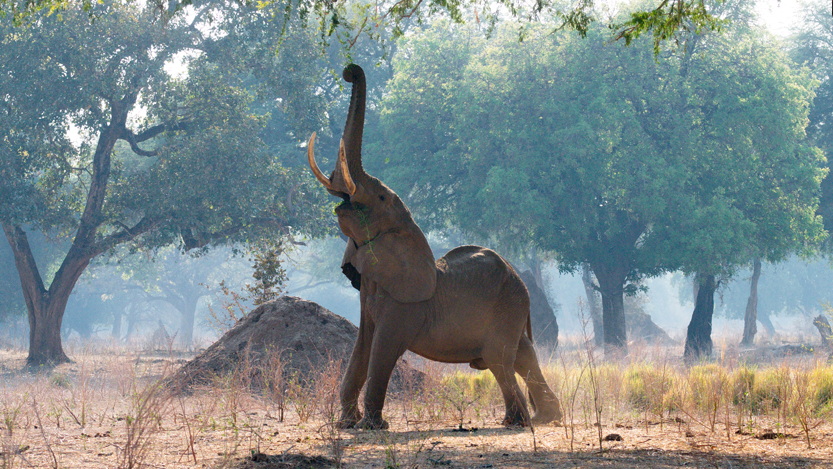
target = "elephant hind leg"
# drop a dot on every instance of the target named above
(546, 405)
(516, 412)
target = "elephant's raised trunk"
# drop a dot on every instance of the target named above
(354, 127)
(349, 167)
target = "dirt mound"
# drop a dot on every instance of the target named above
(642, 328)
(291, 333)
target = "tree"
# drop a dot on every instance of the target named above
(754, 179)
(812, 46)
(193, 169)
(750, 316)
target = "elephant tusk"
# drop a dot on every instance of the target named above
(314, 166)
(345, 171)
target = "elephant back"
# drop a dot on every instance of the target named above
(481, 271)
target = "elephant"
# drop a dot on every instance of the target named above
(470, 306)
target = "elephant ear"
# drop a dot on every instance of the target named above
(401, 263)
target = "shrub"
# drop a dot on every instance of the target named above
(742, 384)
(821, 382)
(709, 385)
(650, 388)
(771, 389)
(634, 383)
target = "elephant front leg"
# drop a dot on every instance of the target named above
(355, 376)
(385, 351)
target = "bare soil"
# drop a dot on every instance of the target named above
(104, 411)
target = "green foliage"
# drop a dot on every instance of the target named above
(347, 22)
(269, 274)
(709, 385)
(636, 391)
(812, 46)
(195, 160)
(671, 19)
(755, 180)
(11, 300)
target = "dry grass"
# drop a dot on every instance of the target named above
(107, 410)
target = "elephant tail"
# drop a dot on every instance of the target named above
(529, 334)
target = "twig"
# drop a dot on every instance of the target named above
(43, 434)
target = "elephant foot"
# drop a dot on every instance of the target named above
(348, 420)
(547, 418)
(372, 424)
(515, 421)
(549, 413)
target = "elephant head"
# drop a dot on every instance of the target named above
(386, 249)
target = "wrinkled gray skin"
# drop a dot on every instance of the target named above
(470, 306)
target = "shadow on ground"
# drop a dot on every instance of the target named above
(285, 461)
(619, 459)
(635, 459)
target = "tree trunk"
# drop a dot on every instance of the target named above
(46, 306)
(766, 321)
(186, 325)
(593, 305)
(825, 331)
(117, 317)
(750, 318)
(698, 343)
(134, 317)
(611, 285)
(45, 347)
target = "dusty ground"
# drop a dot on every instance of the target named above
(103, 412)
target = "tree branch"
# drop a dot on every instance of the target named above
(24, 260)
(91, 218)
(131, 138)
(135, 139)
(311, 285)
(198, 240)
(126, 234)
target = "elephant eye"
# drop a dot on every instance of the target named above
(382, 198)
